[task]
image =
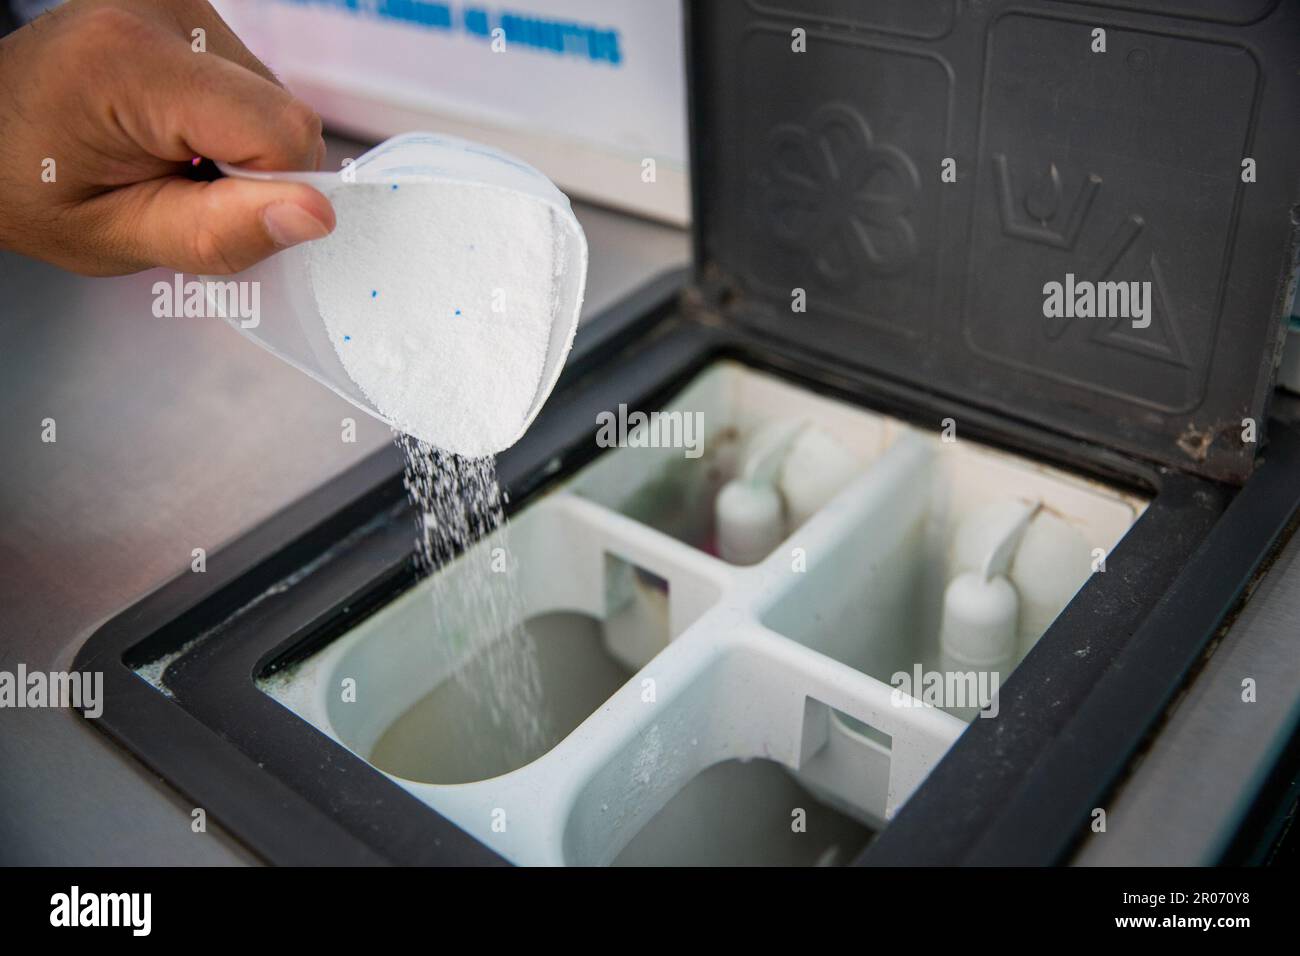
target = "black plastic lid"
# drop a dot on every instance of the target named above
(822, 170)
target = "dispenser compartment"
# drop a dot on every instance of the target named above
(668, 489)
(669, 680)
(784, 823)
(753, 698)
(887, 574)
(422, 693)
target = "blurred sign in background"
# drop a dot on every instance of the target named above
(588, 91)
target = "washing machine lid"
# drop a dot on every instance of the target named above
(1078, 214)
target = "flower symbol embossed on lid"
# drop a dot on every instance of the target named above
(840, 197)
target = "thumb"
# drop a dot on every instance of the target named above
(215, 227)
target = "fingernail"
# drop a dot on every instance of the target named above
(320, 155)
(288, 224)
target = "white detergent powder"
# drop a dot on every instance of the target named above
(439, 299)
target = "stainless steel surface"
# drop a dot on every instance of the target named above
(172, 434)
(1179, 805)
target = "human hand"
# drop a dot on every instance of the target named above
(105, 105)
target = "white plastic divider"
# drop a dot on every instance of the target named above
(864, 547)
(724, 688)
(787, 660)
(740, 692)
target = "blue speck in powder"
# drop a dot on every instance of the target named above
(347, 338)
(458, 311)
(373, 293)
(394, 185)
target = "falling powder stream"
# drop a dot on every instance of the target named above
(459, 503)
